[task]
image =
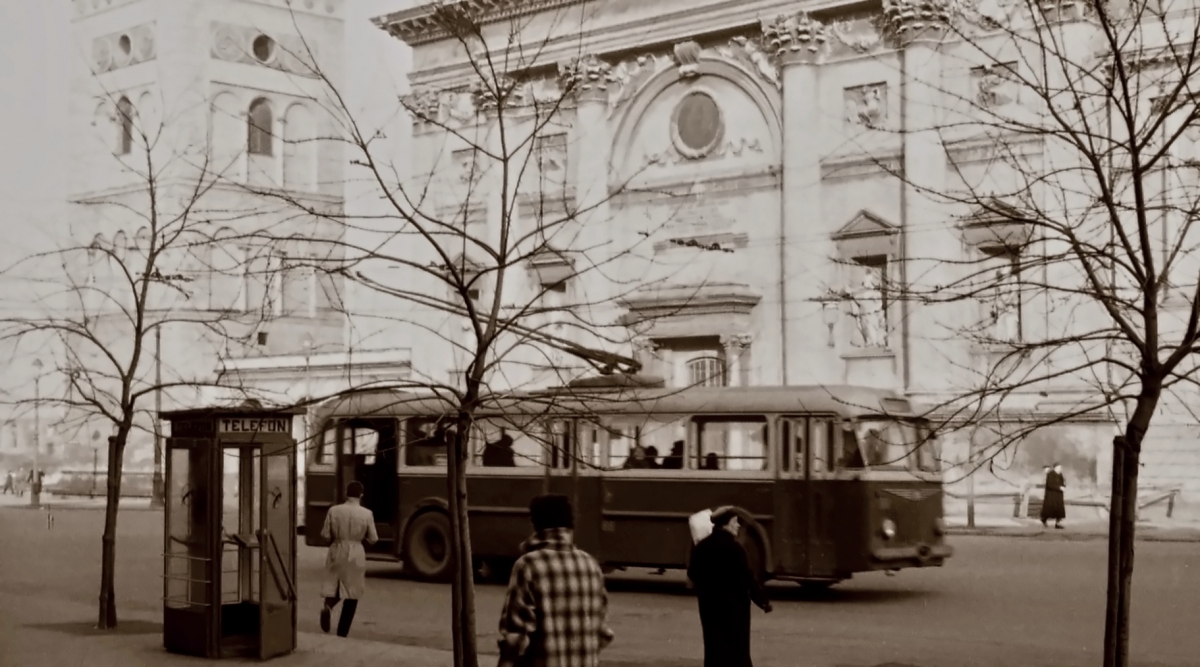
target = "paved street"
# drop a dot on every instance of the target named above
(1002, 601)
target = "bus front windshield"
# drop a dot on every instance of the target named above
(889, 444)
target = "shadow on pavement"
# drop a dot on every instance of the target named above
(88, 628)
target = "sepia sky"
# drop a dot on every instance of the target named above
(36, 55)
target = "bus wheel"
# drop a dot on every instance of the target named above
(427, 550)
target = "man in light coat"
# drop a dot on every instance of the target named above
(346, 526)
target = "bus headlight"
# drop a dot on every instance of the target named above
(889, 529)
(939, 526)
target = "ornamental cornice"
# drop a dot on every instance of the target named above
(423, 25)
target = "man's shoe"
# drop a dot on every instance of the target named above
(1058, 526)
(324, 619)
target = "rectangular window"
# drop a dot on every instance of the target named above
(425, 441)
(590, 452)
(650, 443)
(324, 449)
(821, 440)
(731, 443)
(509, 443)
(794, 458)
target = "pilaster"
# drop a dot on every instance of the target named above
(929, 244)
(585, 82)
(799, 45)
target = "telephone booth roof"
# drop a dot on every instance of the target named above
(214, 411)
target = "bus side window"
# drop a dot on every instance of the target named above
(821, 442)
(589, 452)
(799, 448)
(424, 442)
(325, 447)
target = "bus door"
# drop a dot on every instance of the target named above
(368, 453)
(792, 497)
(585, 485)
(821, 493)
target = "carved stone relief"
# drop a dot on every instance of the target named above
(750, 53)
(994, 86)
(732, 148)
(687, 54)
(866, 106)
(628, 76)
(235, 43)
(861, 36)
(125, 48)
(795, 33)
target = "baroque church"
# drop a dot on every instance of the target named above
(765, 167)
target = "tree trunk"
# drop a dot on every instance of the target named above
(1122, 527)
(462, 623)
(1113, 598)
(1128, 529)
(108, 551)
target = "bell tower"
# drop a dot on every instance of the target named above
(201, 124)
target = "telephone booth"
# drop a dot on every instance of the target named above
(229, 544)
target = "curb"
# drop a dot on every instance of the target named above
(1144, 534)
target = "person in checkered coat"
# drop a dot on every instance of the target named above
(556, 607)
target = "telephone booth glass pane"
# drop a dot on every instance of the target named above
(239, 524)
(187, 544)
(276, 514)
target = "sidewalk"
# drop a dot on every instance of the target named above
(35, 632)
(53, 502)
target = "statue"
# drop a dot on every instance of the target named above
(1005, 311)
(869, 311)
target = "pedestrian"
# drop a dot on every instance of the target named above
(1053, 506)
(555, 611)
(346, 526)
(8, 483)
(725, 585)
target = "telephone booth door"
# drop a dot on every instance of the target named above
(277, 550)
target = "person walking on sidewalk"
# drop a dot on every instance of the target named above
(555, 611)
(346, 526)
(8, 484)
(1053, 505)
(725, 585)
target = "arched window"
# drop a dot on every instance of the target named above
(125, 123)
(706, 372)
(259, 130)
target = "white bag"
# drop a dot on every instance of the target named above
(701, 525)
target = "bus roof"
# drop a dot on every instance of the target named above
(846, 400)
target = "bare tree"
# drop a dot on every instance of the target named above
(492, 243)
(134, 270)
(1062, 136)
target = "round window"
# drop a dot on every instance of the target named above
(698, 124)
(263, 47)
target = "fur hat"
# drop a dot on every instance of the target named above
(723, 515)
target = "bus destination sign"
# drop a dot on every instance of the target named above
(281, 426)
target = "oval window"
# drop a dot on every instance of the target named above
(263, 47)
(698, 123)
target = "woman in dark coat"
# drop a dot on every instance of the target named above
(725, 586)
(1053, 506)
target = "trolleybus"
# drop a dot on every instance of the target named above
(830, 480)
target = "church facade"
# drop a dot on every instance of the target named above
(767, 172)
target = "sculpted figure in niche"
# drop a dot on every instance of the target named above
(868, 310)
(1005, 312)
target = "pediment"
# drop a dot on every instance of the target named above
(464, 265)
(996, 223)
(865, 223)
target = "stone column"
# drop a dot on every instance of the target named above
(737, 358)
(586, 80)
(929, 242)
(798, 44)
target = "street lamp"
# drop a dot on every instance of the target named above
(35, 486)
(156, 484)
(831, 312)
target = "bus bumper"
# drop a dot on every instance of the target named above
(919, 555)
